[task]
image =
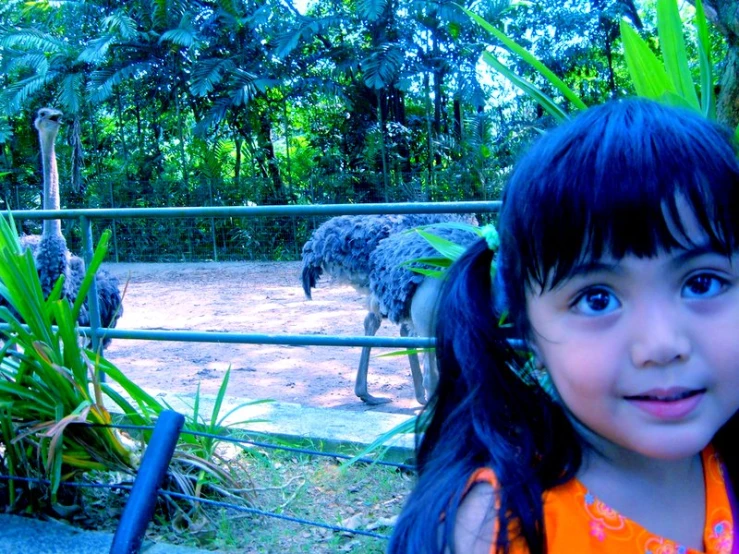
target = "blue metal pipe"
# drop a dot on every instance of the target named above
(141, 502)
(255, 338)
(260, 211)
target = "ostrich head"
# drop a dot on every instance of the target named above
(48, 121)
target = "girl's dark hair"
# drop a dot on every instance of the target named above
(610, 181)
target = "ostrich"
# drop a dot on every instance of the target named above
(50, 250)
(342, 247)
(408, 298)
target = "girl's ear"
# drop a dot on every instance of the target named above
(537, 359)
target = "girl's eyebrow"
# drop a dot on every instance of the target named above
(595, 266)
(697, 251)
(676, 261)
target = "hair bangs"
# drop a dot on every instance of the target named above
(623, 182)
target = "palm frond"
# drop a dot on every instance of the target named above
(71, 93)
(208, 73)
(371, 9)
(31, 39)
(104, 81)
(383, 66)
(96, 50)
(184, 35)
(18, 94)
(306, 29)
(122, 24)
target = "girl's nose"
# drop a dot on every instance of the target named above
(659, 339)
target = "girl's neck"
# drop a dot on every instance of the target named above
(615, 463)
(603, 457)
(666, 497)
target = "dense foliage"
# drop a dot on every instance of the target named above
(231, 102)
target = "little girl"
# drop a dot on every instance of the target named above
(618, 264)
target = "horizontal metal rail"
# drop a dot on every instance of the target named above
(97, 333)
(261, 211)
(252, 338)
(255, 338)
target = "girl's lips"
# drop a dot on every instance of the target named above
(670, 404)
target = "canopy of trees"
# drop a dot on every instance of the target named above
(227, 102)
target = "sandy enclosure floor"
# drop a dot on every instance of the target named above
(252, 297)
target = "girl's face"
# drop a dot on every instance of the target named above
(644, 351)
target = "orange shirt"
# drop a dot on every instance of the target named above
(575, 521)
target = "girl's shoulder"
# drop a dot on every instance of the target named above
(475, 527)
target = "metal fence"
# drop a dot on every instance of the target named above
(86, 217)
(233, 238)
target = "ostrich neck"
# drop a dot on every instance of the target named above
(51, 185)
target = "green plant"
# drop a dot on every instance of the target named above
(54, 423)
(199, 465)
(48, 382)
(668, 80)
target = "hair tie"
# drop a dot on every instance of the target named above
(490, 234)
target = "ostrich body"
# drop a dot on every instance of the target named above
(342, 247)
(408, 298)
(52, 257)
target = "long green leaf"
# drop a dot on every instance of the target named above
(674, 54)
(446, 248)
(708, 98)
(404, 428)
(436, 262)
(527, 87)
(647, 73)
(139, 395)
(529, 58)
(214, 422)
(97, 258)
(435, 273)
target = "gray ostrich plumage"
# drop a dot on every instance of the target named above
(392, 284)
(342, 247)
(408, 298)
(52, 257)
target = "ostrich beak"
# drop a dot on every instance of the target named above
(48, 115)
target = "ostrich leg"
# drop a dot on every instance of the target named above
(423, 316)
(416, 372)
(430, 372)
(371, 324)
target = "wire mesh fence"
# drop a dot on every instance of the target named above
(229, 239)
(253, 446)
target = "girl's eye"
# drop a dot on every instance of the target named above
(596, 301)
(704, 285)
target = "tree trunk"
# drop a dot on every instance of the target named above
(727, 102)
(238, 141)
(724, 14)
(268, 151)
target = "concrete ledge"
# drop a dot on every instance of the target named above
(325, 428)
(32, 536)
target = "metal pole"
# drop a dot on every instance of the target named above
(140, 506)
(92, 297)
(112, 223)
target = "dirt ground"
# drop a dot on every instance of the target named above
(252, 297)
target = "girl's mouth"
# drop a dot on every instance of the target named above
(667, 395)
(671, 404)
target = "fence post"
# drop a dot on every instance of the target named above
(141, 502)
(92, 296)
